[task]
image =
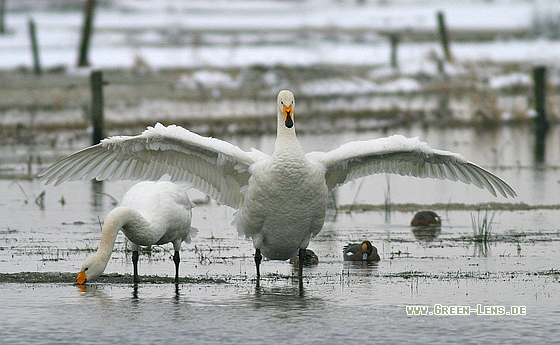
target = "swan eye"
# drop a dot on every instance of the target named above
(86, 268)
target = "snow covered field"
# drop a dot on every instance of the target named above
(230, 58)
(214, 33)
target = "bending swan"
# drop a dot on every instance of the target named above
(150, 213)
(282, 198)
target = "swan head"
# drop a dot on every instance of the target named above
(286, 103)
(91, 269)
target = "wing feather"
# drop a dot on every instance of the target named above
(407, 157)
(216, 167)
(450, 172)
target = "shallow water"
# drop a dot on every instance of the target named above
(360, 307)
(339, 302)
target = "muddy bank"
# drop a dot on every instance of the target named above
(351, 269)
(112, 278)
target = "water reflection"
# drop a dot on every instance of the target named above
(359, 271)
(488, 138)
(482, 249)
(95, 291)
(540, 147)
(82, 288)
(426, 234)
(135, 295)
(426, 226)
(98, 291)
(296, 278)
(284, 299)
(368, 267)
(177, 296)
(541, 185)
(97, 195)
(89, 290)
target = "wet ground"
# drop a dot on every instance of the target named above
(47, 232)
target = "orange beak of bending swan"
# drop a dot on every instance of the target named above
(82, 278)
(288, 116)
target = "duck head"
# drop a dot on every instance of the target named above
(369, 252)
(366, 249)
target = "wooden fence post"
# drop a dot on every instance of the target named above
(34, 47)
(83, 60)
(539, 78)
(541, 121)
(444, 37)
(96, 81)
(2, 16)
(394, 45)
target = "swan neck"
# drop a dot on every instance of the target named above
(286, 139)
(115, 221)
(287, 144)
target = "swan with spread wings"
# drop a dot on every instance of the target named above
(281, 198)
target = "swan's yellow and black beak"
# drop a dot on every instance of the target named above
(82, 278)
(288, 116)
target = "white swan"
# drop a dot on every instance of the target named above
(282, 198)
(150, 213)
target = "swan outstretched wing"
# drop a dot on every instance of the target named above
(403, 156)
(213, 166)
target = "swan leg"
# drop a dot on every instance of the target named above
(135, 265)
(177, 260)
(302, 258)
(258, 259)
